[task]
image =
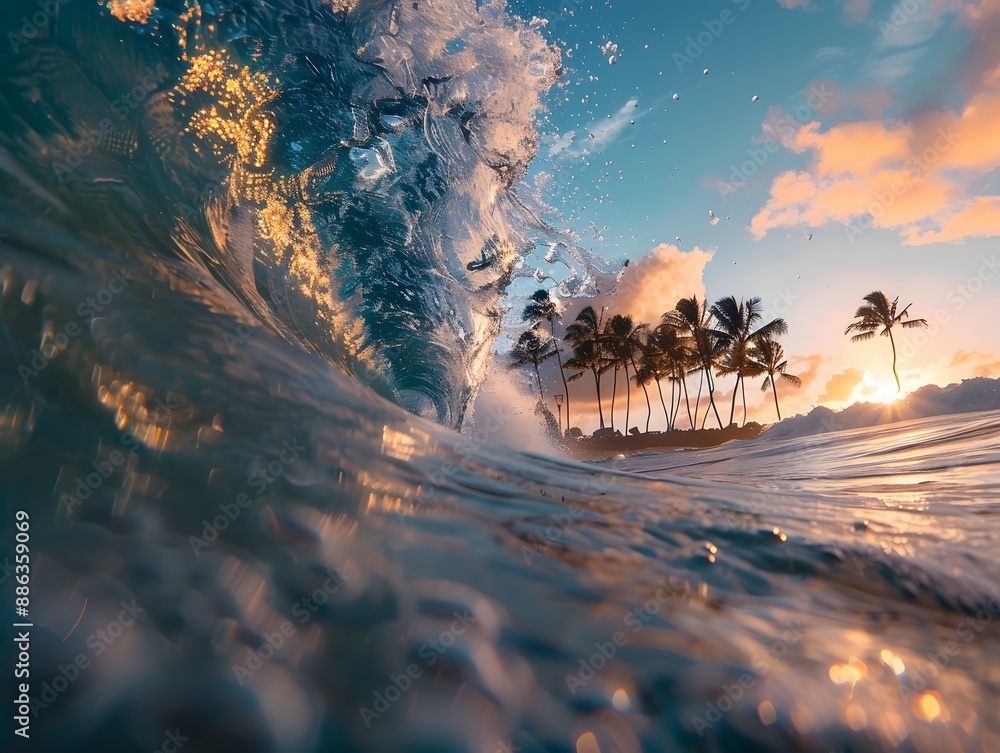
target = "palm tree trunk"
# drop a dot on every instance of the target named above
(561, 372)
(899, 387)
(697, 402)
(673, 399)
(743, 389)
(687, 398)
(732, 406)
(774, 388)
(649, 407)
(666, 416)
(600, 408)
(538, 376)
(628, 397)
(711, 398)
(614, 391)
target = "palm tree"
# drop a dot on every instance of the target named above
(623, 339)
(588, 350)
(665, 354)
(541, 308)
(737, 360)
(735, 330)
(693, 317)
(651, 370)
(530, 348)
(769, 357)
(653, 366)
(877, 313)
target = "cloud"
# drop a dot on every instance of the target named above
(841, 386)
(652, 285)
(911, 176)
(598, 135)
(855, 11)
(805, 368)
(824, 55)
(562, 143)
(975, 363)
(987, 369)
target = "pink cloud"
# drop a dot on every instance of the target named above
(652, 285)
(909, 176)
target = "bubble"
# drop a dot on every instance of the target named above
(754, 98)
(676, 97)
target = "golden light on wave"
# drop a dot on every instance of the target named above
(929, 706)
(621, 701)
(233, 121)
(137, 11)
(893, 662)
(767, 713)
(849, 673)
(588, 743)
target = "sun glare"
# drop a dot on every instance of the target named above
(874, 390)
(887, 392)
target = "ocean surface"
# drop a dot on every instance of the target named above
(251, 270)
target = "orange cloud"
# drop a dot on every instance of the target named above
(805, 368)
(979, 364)
(841, 386)
(652, 285)
(911, 177)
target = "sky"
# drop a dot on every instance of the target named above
(843, 146)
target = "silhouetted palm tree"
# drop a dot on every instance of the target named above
(541, 308)
(623, 339)
(769, 358)
(533, 349)
(736, 329)
(693, 317)
(653, 366)
(879, 313)
(588, 350)
(666, 355)
(737, 361)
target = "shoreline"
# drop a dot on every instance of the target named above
(599, 448)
